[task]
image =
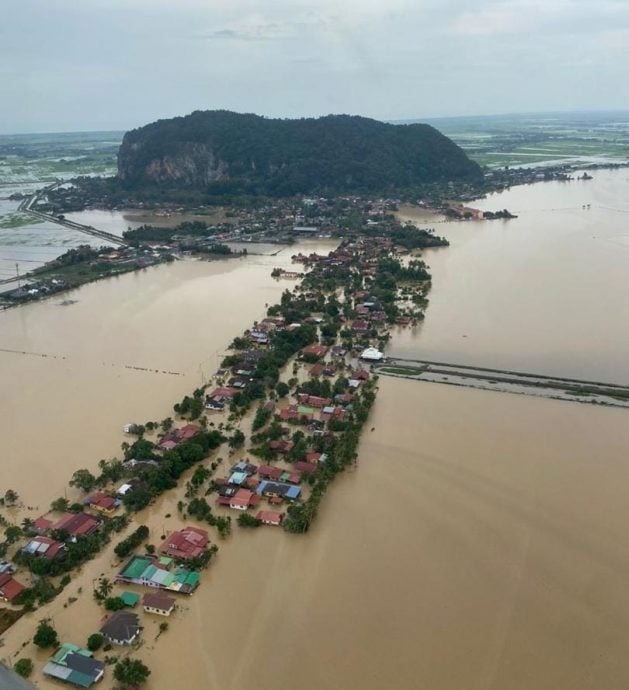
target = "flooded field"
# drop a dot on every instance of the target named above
(544, 293)
(463, 551)
(71, 374)
(30, 161)
(481, 541)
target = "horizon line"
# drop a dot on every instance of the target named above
(418, 118)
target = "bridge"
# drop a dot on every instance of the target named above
(508, 381)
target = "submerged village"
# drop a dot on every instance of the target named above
(257, 447)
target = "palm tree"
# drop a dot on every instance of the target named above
(104, 589)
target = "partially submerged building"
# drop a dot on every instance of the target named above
(189, 542)
(150, 571)
(159, 603)
(74, 665)
(121, 628)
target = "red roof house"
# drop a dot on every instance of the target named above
(41, 525)
(313, 400)
(9, 587)
(177, 436)
(280, 446)
(77, 524)
(44, 547)
(360, 326)
(190, 542)
(102, 502)
(243, 499)
(306, 467)
(268, 472)
(315, 351)
(270, 517)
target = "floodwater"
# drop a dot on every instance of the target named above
(31, 244)
(479, 544)
(73, 375)
(463, 552)
(544, 293)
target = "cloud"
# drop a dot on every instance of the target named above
(263, 31)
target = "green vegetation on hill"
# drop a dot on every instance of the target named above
(223, 153)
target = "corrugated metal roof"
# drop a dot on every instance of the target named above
(57, 671)
(136, 567)
(130, 598)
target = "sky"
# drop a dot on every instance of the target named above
(71, 65)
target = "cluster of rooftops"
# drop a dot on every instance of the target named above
(160, 573)
(77, 666)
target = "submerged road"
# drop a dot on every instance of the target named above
(507, 381)
(27, 207)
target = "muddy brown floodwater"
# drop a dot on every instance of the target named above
(129, 348)
(466, 551)
(480, 544)
(545, 293)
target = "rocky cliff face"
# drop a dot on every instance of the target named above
(190, 164)
(230, 152)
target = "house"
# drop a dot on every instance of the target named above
(121, 628)
(244, 466)
(177, 436)
(270, 489)
(279, 446)
(77, 525)
(318, 351)
(133, 484)
(317, 369)
(188, 431)
(371, 354)
(74, 665)
(313, 400)
(268, 472)
(44, 547)
(219, 397)
(41, 525)
(243, 499)
(331, 412)
(6, 567)
(150, 571)
(238, 382)
(288, 413)
(360, 327)
(237, 478)
(102, 503)
(270, 517)
(259, 337)
(344, 398)
(161, 604)
(9, 587)
(306, 467)
(190, 542)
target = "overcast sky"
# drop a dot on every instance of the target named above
(115, 64)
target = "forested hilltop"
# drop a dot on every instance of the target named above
(223, 152)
